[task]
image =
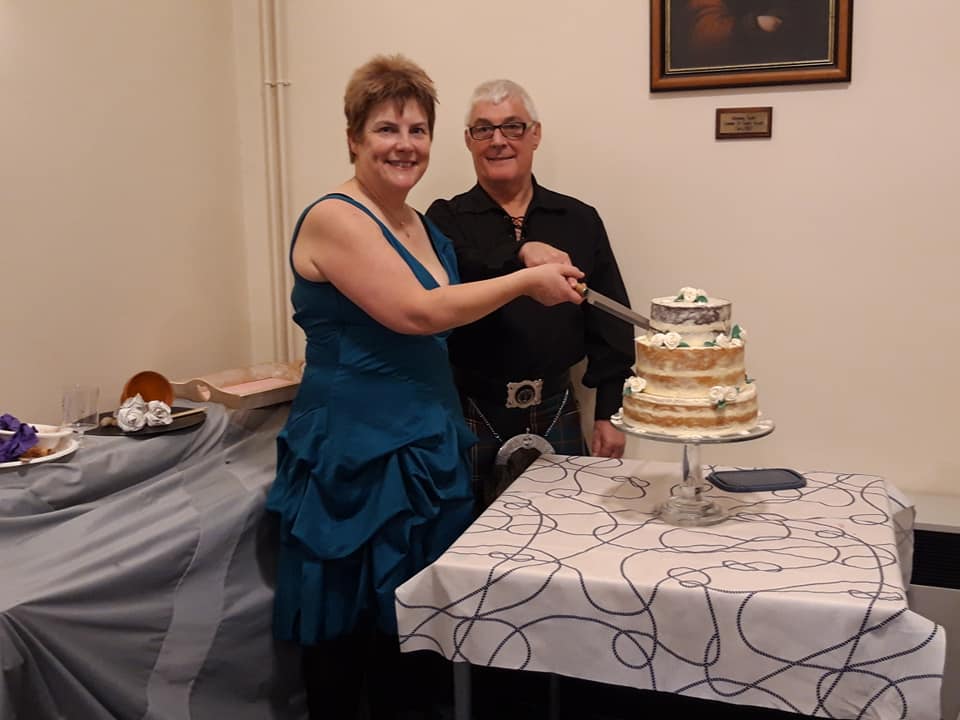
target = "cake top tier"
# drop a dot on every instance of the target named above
(691, 313)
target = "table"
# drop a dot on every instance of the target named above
(796, 603)
(135, 579)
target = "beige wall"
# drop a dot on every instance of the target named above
(120, 197)
(133, 147)
(835, 239)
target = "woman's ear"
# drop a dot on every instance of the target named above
(351, 144)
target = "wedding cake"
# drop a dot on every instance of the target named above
(690, 377)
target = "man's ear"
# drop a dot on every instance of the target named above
(536, 135)
(466, 137)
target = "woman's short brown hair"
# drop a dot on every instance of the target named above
(386, 77)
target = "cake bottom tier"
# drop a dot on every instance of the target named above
(691, 416)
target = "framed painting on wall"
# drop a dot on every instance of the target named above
(697, 44)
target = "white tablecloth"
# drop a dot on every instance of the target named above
(796, 603)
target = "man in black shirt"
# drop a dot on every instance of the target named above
(513, 366)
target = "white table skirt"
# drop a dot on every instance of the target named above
(796, 603)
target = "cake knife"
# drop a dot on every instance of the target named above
(611, 306)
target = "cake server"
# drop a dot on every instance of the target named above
(611, 306)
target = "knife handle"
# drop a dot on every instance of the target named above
(581, 288)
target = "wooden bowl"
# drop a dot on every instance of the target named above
(149, 385)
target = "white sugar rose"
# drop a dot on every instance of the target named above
(658, 340)
(635, 385)
(135, 401)
(717, 393)
(736, 342)
(158, 413)
(672, 340)
(689, 294)
(731, 394)
(722, 341)
(132, 414)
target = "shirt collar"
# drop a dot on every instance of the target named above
(476, 200)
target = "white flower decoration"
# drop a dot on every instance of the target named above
(736, 342)
(722, 341)
(672, 340)
(731, 394)
(132, 415)
(158, 413)
(634, 385)
(135, 401)
(717, 393)
(690, 294)
(658, 340)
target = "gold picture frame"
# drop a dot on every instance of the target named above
(701, 44)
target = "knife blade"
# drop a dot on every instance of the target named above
(612, 307)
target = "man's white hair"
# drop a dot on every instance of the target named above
(496, 91)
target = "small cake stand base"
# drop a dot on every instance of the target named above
(687, 505)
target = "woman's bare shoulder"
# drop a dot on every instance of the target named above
(334, 218)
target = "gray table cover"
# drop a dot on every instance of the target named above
(135, 579)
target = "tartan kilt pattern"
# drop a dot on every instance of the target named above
(566, 437)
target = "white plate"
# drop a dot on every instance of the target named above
(70, 445)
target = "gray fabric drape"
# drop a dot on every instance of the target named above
(135, 579)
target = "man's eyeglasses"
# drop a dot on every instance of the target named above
(514, 130)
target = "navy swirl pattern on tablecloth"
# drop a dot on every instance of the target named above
(797, 602)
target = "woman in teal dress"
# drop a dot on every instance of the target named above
(373, 475)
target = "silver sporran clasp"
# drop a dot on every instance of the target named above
(528, 442)
(524, 394)
(513, 457)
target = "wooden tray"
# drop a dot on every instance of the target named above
(243, 388)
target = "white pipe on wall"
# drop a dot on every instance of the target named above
(276, 162)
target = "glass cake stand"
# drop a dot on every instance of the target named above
(687, 506)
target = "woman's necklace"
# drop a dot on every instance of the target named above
(401, 225)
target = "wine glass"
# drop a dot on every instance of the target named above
(81, 408)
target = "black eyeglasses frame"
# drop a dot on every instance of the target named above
(471, 129)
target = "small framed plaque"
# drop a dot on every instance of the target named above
(749, 122)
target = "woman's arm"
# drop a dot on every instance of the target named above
(340, 244)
